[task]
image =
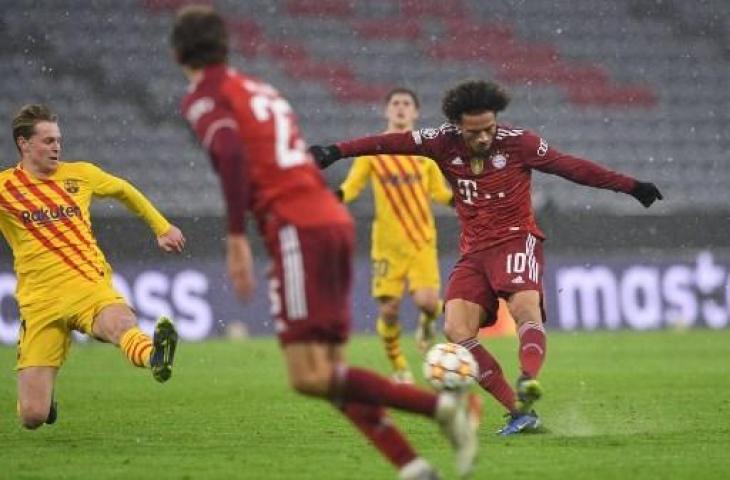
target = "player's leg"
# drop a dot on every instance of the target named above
(424, 280)
(515, 269)
(35, 396)
(310, 290)
(471, 304)
(311, 368)
(525, 307)
(389, 330)
(43, 344)
(387, 288)
(463, 320)
(430, 306)
(116, 323)
(314, 370)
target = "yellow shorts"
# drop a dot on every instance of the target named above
(391, 271)
(45, 331)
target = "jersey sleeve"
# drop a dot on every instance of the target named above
(425, 142)
(437, 184)
(537, 154)
(218, 132)
(356, 179)
(106, 185)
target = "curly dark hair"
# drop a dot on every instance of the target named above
(199, 37)
(474, 97)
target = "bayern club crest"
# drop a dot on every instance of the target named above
(499, 161)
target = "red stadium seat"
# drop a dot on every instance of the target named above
(329, 8)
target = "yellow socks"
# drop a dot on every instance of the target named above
(427, 319)
(137, 347)
(390, 334)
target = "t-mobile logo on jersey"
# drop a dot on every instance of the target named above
(467, 190)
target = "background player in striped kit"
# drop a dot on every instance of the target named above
(64, 281)
(403, 232)
(490, 166)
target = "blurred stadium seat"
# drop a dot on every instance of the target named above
(639, 90)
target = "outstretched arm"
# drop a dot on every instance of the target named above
(169, 237)
(408, 143)
(541, 156)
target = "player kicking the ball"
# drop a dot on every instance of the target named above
(64, 281)
(489, 166)
(253, 141)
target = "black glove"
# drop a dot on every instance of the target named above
(325, 156)
(646, 193)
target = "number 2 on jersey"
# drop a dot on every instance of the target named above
(264, 107)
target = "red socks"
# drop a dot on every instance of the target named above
(357, 385)
(532, 348)
(491, 377)
(375, 424)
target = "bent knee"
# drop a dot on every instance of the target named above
(457, 331)
(33, 416)
(428, 306)
(312, 384)
(524, 312)
(389, 310)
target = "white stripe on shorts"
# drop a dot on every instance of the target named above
(294, 291)
(534, 268)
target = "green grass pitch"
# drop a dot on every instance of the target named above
(617, 406)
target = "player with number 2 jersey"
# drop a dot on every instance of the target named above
(253, 141)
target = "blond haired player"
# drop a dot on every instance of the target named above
(404, 232)
(64, 281)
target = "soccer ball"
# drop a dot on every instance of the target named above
(449, 366)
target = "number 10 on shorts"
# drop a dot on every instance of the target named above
(518, 262)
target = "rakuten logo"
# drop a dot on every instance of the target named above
(45, 215)
(644, 297)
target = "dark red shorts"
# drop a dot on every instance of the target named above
(485, 276)
(309, 282)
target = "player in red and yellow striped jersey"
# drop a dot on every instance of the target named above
(64, 281)
(404, 232)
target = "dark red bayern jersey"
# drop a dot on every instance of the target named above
(253, 139)
(494, 201)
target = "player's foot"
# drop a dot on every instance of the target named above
(459, 424)
(520, 422)
(425, 334)
(528, 392)
(418, 469)
(52, 412)
(403, 376)
(163, 349)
